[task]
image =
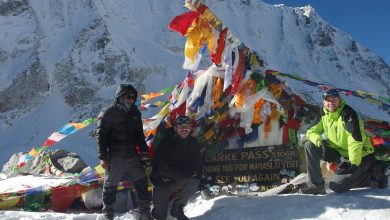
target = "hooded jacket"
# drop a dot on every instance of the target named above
(176, 158)
(345, 132)
(119, 131)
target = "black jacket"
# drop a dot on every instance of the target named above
(176, 158)
(119, 131)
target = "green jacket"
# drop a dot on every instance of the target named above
(344, 131)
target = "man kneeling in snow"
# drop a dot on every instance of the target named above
(176, 170)
(345, 138)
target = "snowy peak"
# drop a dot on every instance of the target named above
(309, 12)
(64, 58)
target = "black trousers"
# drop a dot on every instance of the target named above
(179, 192)
(338, 183)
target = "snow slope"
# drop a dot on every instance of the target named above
(366, 204)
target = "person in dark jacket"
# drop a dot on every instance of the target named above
(119, 131)
(339, 134)
(176, 170)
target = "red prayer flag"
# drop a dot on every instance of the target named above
(182, 22)
(216, 58)
(180, 110)
(377, 141)
(49, 143)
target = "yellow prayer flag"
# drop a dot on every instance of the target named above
(152, 95)
(99, 170)
(33, 152)
(78, 126)
(209, 134)
(164, 111)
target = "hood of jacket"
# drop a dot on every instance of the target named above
(123, 89)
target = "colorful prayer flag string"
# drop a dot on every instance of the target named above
(371, 97)
(55, 137)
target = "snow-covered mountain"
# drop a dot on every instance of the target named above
(62, 60)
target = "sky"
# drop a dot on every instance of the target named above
(367, 21)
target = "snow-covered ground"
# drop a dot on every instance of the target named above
(357, 204)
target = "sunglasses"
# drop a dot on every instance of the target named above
(331, 92)
(183, 121)
(133, 97)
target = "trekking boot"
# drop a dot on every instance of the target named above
(379, 176)
(144, 216)
(315, 189)
(178, 212)
(374, 184)
(108, 216)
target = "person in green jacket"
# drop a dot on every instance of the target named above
(339, 137)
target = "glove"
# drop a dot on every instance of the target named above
(145, 160)
(346, 168)
(327, 152)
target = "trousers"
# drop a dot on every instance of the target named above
(133, 170)
(179, 192)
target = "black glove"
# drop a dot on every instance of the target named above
(346, 168)
(327, 151)
(145, 160)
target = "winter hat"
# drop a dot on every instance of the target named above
(330, 92)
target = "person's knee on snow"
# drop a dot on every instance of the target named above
(177, 211)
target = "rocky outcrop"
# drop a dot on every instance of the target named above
(27, 90)
(13, 7)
